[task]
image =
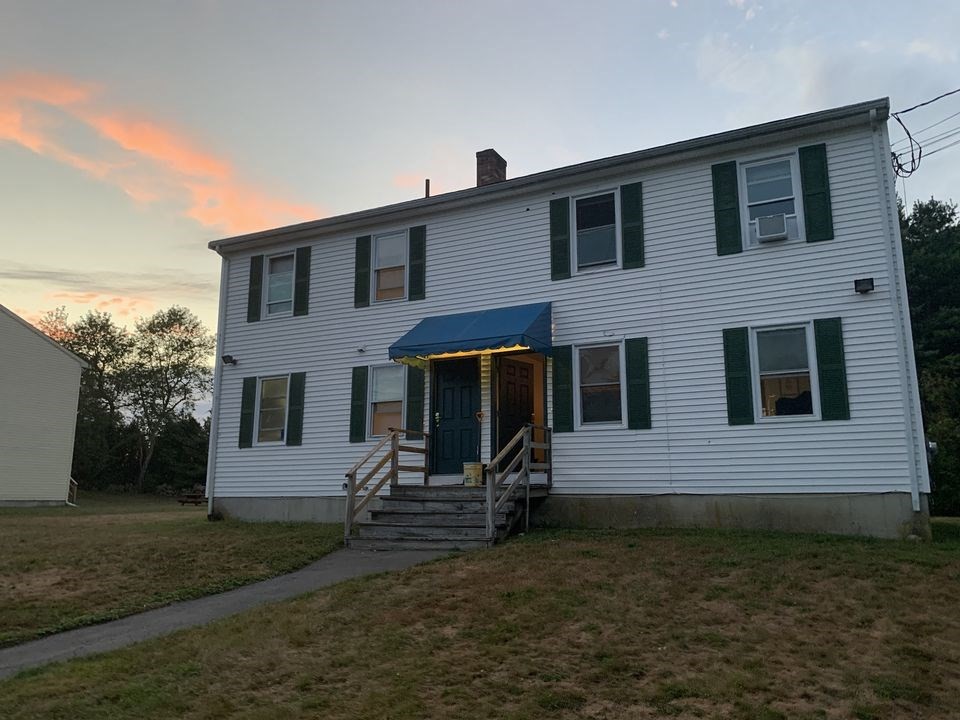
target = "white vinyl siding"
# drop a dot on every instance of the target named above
(497, 254)
(39, 386)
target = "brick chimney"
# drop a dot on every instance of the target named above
(491, 168)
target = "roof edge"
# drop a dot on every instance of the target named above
(877, 110)
(7, 311)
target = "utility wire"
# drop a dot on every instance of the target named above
(903, 165)
(928, 127)
(944, 147)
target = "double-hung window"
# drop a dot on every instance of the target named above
(279, 296)
(386, 399)
(596, 230)
(272, 409)
(390, 266)
(771, 199)
(599, 380)
(783, 376)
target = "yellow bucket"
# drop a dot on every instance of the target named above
(473, 474)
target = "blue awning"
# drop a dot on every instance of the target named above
(517, 327)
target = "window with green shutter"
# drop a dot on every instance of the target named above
(417, 258)
(361, 272)
(358, 404)
(562, 360)
(255, 289)
(560, 238)
(815, 179)
(297, 390)
(415, 401)
(726, 208)
(638, 384)
(248, 407)
(739, 382)
(831, 369)
(301, 282)
(631, 212)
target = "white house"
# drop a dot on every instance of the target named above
(39, 387)
(716, 332)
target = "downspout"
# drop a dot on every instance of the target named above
(217, 373)
(916, 445)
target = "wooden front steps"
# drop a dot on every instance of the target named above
(440, 517)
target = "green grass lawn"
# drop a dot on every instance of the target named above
(115, 555)
(645, 624)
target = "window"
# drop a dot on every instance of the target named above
(596, 231)
(386, 399)
(601, 398)
(280, 285)
(771, 188)
(783, 363)
(272, 410)
(390, 266)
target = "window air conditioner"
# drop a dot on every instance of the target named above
(771, 227)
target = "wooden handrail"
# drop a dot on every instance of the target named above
(495, 499)
(390, 442)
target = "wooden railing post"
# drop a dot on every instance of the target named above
(491, 502)
(426, 459)
(351, 501)
(527, 439)
(395, 457)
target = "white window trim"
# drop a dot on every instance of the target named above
(403, 396)
(286, 411)
(618, 228)
(578, 399)
(265, 304)
(811, 362)
(794, 157)
(373, 265)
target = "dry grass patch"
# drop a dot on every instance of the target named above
(117, 555)
(747, 626)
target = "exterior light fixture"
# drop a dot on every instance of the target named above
(228, 359)
(863, 285)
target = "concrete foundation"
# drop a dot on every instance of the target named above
(887, 515)
(32, 503)
(282, 509)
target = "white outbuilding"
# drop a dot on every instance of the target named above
(39, 388)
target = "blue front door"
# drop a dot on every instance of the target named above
(456, 400)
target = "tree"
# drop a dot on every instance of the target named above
(167, 373)
(931, 252)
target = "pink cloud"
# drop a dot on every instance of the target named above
(122, 305)
(149, 162)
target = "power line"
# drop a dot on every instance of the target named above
(928, 127)
(901, 165)
(927, 102)
(929, 137)
(944, 147)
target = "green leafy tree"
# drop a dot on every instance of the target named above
(167, 373)
(931, 251)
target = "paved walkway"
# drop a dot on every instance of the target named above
(328, 570)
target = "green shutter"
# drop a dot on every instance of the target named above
(562, 388)
(736, 361)
(255, 289)
(638, 384)
(301, 282)
(414, 419)
(361, 273)
(295, 410)
(817, 211)
(831, 369)
(631, 211)
(417, 272)
(726, 209)
(560, 239)
(358, 405)
(248, 403)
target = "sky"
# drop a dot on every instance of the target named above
(133, 133)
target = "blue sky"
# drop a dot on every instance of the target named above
(131, 134)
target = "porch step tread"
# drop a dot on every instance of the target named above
(384, 530)
(452, 544)
(391, 517)
(437, 506)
